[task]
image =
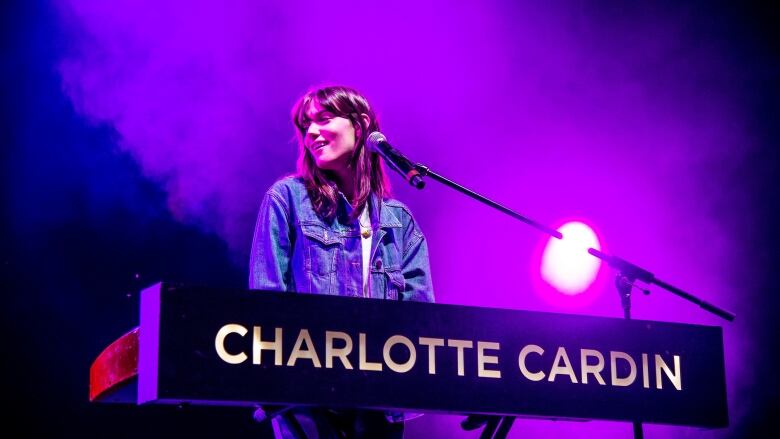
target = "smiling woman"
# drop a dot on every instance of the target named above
(333, 229)
(332, 126)
(331, 139)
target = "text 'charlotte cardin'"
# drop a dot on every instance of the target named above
(339, 350)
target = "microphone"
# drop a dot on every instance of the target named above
(377, 142)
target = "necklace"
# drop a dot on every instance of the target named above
(365, 230)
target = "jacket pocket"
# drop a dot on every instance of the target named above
(322, 248)
(395, 283)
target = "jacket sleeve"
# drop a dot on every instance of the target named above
(269, 260)
(416, 267)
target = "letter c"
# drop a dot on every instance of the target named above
(533, 376)
(219, 343)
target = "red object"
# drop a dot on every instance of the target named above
(117, 364)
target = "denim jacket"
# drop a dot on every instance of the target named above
(295, 250)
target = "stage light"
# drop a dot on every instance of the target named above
(566, 264)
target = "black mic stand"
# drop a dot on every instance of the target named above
(629, 273)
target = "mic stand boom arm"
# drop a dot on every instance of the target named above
(426, 172)
(628, 270)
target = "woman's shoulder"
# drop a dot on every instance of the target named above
(396, 204)
(400, 210)
(288, 186)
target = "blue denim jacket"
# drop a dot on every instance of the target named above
(295, 250)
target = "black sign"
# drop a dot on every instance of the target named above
(219, 346)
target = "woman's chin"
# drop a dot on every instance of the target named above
(331, 165)
(325, 165)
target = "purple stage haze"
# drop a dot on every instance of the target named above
(621, 115)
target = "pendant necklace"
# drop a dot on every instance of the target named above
(365, 231)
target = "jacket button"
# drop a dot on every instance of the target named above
(378, 264)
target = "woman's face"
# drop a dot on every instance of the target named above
(329, 138)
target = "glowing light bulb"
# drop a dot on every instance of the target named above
(566, 264)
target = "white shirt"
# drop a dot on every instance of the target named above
(365, 237)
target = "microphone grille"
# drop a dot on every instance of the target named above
(374, 139)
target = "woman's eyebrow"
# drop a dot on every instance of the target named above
(320, 114)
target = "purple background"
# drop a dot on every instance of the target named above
(142, 135)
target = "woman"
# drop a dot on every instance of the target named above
(333, 229)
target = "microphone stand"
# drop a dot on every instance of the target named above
(497, 427)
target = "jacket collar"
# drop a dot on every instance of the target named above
(379, 212)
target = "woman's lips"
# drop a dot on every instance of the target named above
(316, 146)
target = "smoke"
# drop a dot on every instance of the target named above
(194, 91)
(631, 116)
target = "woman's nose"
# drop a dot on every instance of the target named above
(313, 131)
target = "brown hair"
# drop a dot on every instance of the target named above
(370, 175)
